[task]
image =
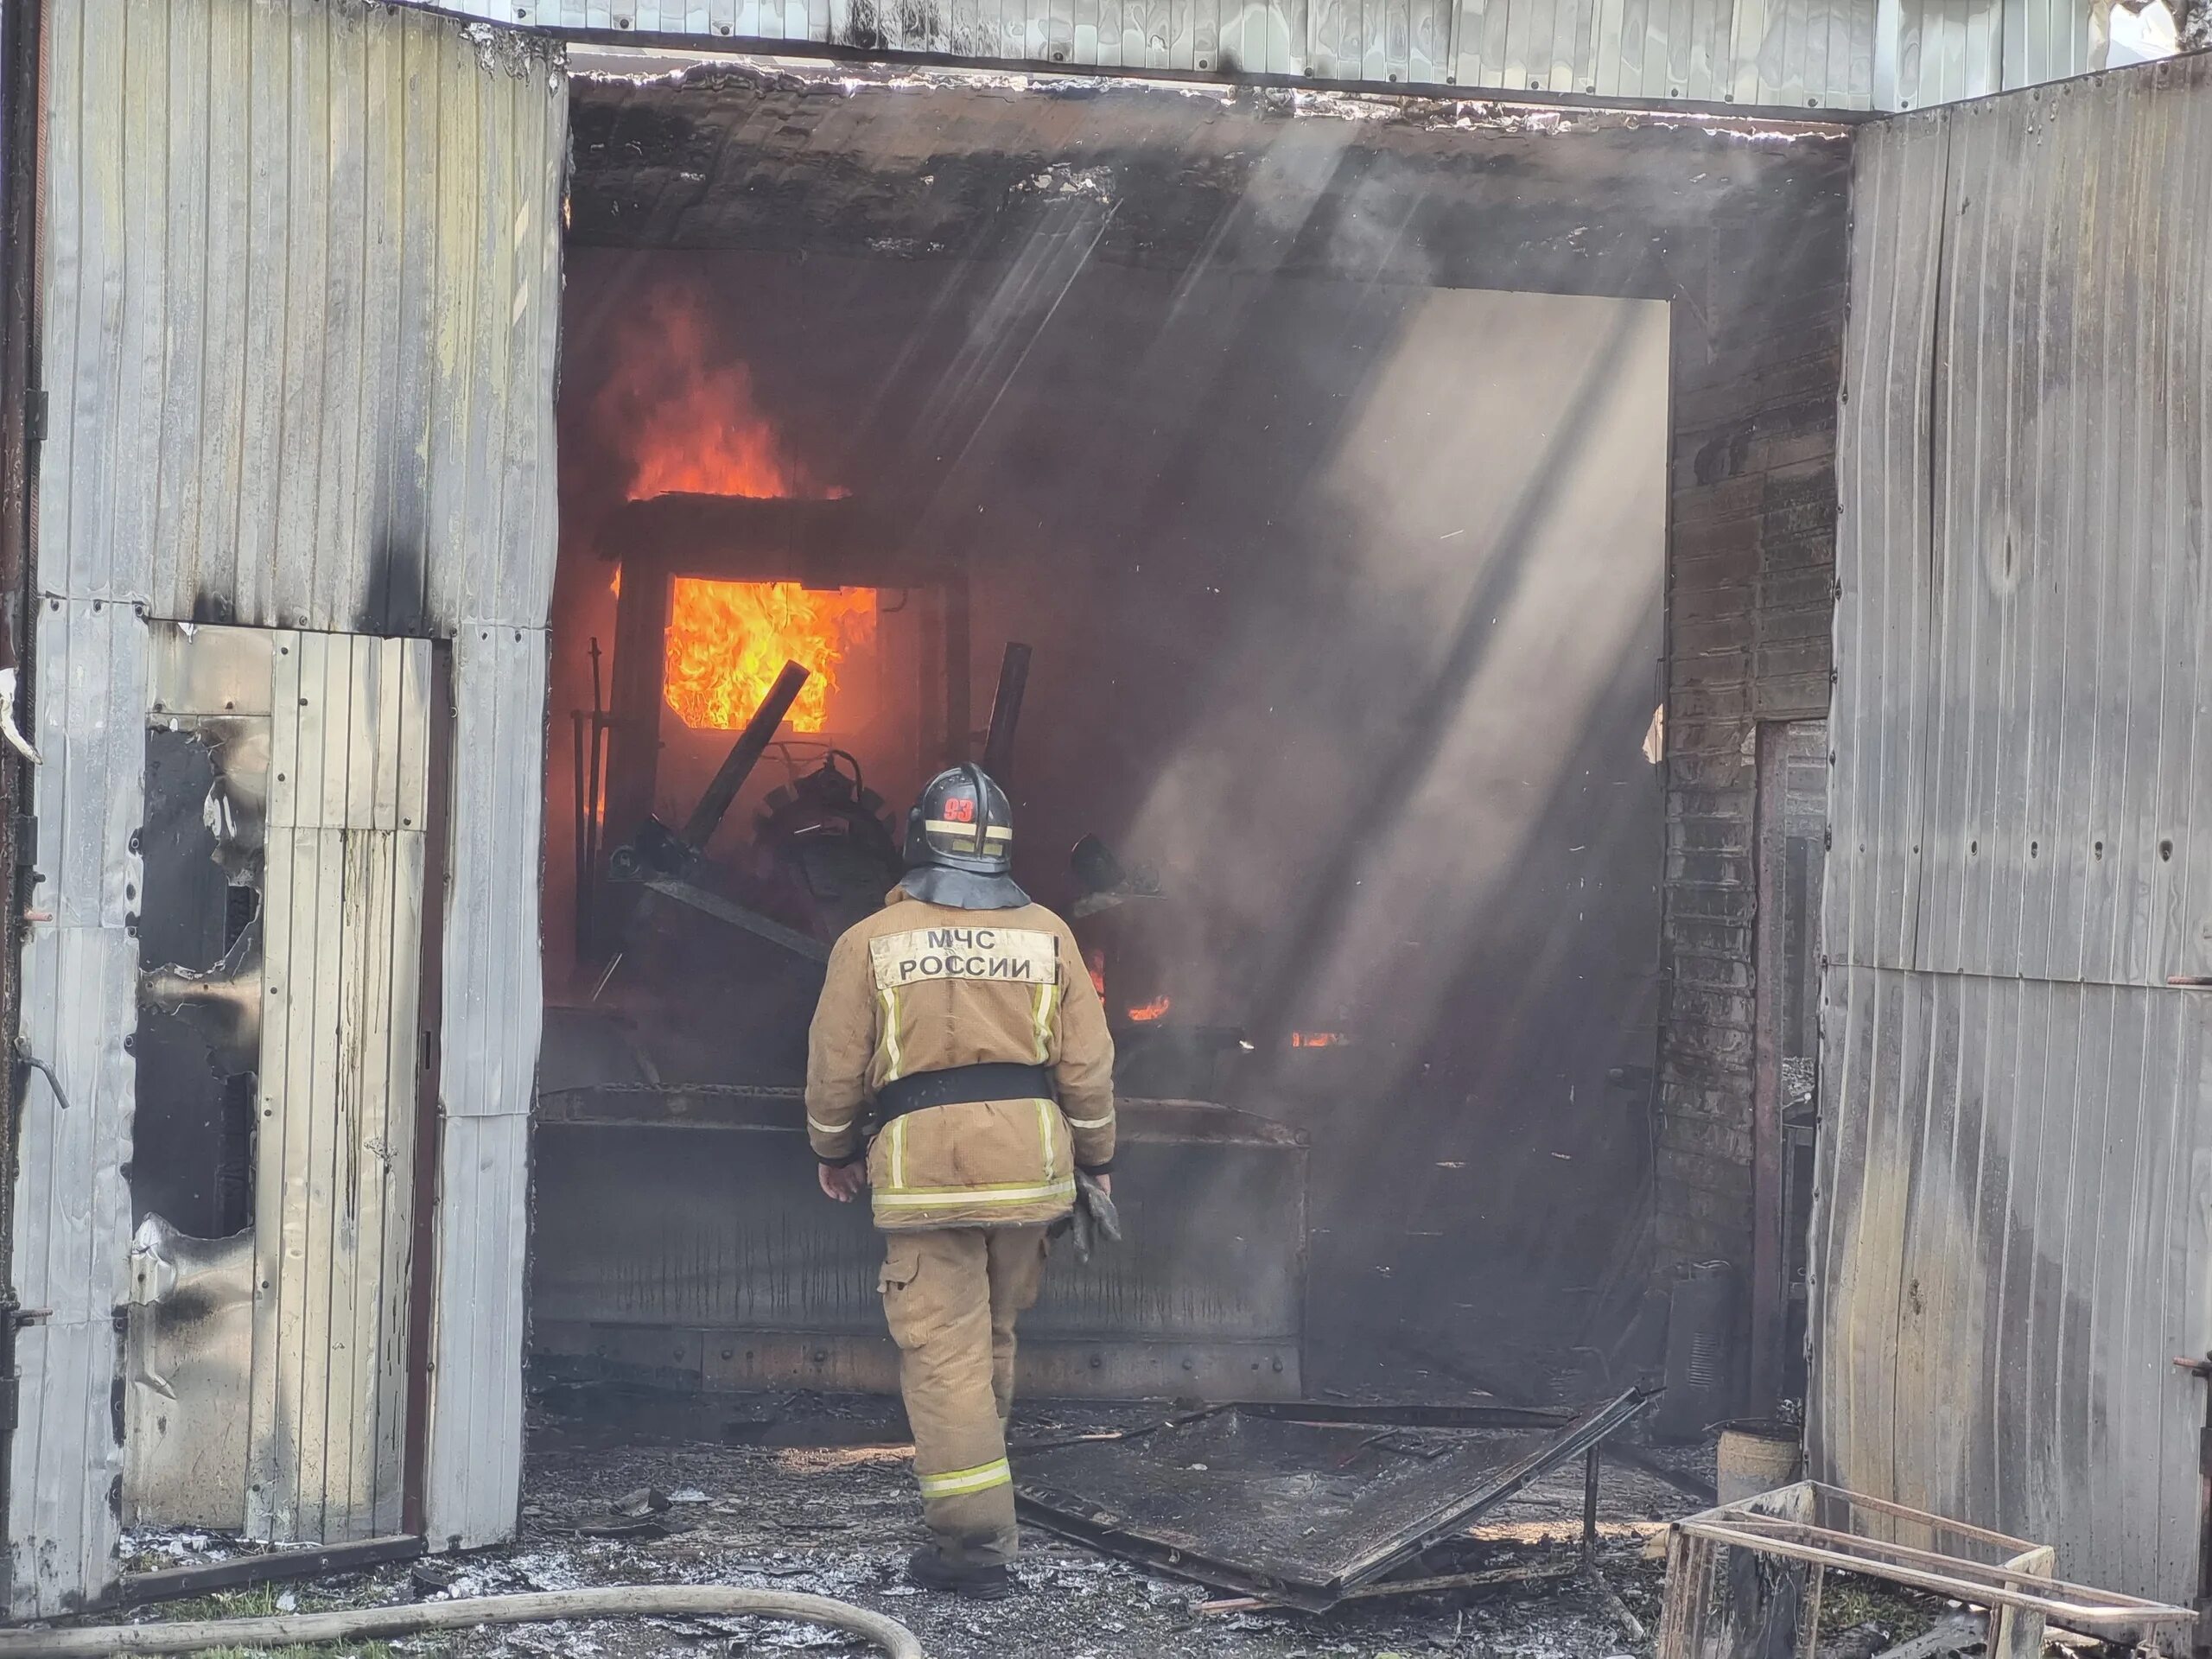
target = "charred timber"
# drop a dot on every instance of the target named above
(1005, 713)
(840, 544)
(744, 755)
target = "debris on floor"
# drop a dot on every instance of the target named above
(838, 1519)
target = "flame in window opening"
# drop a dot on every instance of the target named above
(728, 640)
(1095, 960)
(1155, 1010)
(1317, 1039)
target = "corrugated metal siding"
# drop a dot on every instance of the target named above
(1782, 54)
(301, 303)
(494, 1002)
(492, 1014)
(2015, 1227)
(475, 1467)
(80, 1011)
(334, 1157)
(298, 338)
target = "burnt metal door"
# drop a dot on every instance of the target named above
(266, 1361)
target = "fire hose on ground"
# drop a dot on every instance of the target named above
(466, 1613)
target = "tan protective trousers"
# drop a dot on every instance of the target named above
(952, 1296)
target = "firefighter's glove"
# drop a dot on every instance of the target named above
(1095, 1221)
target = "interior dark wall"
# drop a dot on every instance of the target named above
(917, 256)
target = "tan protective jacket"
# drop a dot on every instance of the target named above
(922, 988)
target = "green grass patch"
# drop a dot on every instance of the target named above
(260, 1601)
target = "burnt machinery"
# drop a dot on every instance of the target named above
(823, 848)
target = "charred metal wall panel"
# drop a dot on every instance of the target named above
(300, 289)
(711, 1259)
(1777, 55)
(2014, 1230)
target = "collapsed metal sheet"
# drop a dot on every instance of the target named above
(1296, 1512)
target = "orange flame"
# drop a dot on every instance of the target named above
(728, 640)
(1095, 960)
(688, 421)
(685, 412)
(1317, 1039)
(1155, 1010)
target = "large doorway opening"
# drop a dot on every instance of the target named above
(1315, 621)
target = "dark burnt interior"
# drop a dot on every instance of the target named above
(1242, 421)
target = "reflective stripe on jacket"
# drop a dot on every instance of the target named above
(922, 988)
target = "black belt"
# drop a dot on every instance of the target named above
(993, 1080)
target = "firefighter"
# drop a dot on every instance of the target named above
(960, 1068)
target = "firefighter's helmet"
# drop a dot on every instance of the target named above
(960, 842)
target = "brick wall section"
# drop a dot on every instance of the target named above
(1750, 599)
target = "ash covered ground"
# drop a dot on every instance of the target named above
(831, 1509)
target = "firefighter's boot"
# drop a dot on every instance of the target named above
(928, 1567)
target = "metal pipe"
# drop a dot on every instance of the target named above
(594, 803)
(744, 755)
(1005, 713)
(584, 838)
(466, 1613)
